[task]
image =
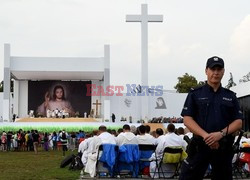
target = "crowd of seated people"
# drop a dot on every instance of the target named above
(166, 120)
(161, 139)
(130, 135)
(88, 143)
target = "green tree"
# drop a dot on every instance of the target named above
(185, 83)
(231, 82)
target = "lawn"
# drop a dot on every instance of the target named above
(28, 165)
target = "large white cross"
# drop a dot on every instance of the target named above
(144, 18)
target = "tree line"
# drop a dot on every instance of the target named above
(187, 82)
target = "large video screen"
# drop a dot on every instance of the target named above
(69, 98)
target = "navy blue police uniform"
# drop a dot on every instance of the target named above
(212, 111)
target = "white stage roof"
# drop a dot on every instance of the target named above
(56, 75)
(57, 68)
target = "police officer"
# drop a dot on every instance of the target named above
(212, 113)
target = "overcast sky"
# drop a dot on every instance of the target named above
(191, 32)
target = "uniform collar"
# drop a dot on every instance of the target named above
(210, 88)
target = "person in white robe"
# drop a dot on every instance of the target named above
(159, 135)
(147, 134)
(103, 138)
(180, 132)
(84, 147)
(92, 151)
(170, 139)
(126, 137)
(142, 138)
(106, 137)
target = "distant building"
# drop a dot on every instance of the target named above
(243, 94)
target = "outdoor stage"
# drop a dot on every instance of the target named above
(71, 124)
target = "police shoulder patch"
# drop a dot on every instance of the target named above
(196, 88)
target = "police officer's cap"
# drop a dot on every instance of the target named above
(215, 61)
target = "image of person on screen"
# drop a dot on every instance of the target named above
(160, 103)
(56, 103)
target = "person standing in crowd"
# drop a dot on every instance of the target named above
(15, 143)
(212, 114)
(26, 136)
(64, 141)
(72, 141)
(80, 136)
(4, 141)
(19, 139)
(30, 141)
(46, 141)
(35, 137)
(54, 140)
(9, 140)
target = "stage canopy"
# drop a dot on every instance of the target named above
(25, 69)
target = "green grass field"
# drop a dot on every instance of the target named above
(28, 165)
